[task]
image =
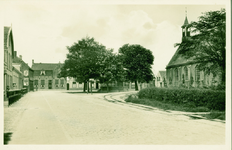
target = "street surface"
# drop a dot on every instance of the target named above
(66, 117)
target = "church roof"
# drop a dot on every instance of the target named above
(45, 66)
(179, 60)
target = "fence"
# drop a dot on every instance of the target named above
(14, 95)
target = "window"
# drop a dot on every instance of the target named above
(42, 73)
(56, 81)
(36, 83)
(42, 83)
(62, 81)
(176, 73)
(197, 74)
(186, 73)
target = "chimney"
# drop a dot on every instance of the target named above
(32, 61)
(20, 56)
(15, 53)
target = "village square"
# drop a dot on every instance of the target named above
(100, 95)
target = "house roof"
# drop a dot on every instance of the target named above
(20, 61)
(7, 33)
(162, 73)
(45, 66)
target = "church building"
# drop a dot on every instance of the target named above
(184, 72)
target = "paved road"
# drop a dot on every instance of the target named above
(58, 117)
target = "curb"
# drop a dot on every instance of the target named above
(189, 114)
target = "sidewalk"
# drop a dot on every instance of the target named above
(13, 113)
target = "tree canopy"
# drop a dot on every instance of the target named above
(89, 59)
(207, 42)
(137, 60)
(83, 59)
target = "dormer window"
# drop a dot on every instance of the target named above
(42, 73)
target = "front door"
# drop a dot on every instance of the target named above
(50, 84)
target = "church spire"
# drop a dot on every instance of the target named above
(186, 19)
(185, 30)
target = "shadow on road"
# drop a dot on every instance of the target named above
(7, 137)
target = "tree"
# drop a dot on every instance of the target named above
(111, 69)
(137, 61)
(89, 59)
(84, 60)
(207, 44)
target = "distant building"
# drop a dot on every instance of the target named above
(46, 76)
(181, 71)
(17, 75)
(161, 79)
(28, 73)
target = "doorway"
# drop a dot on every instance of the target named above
(49, 84)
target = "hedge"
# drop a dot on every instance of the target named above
(214, 100)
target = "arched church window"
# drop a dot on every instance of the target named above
(186, 73)
(197, 73)
(176, 73)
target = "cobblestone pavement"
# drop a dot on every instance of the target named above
(66, 117)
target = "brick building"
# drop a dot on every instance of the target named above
(46, 76)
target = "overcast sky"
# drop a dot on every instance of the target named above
(42, 30)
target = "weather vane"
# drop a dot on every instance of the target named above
(186, 11)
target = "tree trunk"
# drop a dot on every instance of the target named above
(223, 75)
(87, 86)
(136, 86)
(84, 87)
(107, 85)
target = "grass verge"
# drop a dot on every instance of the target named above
(188, 107)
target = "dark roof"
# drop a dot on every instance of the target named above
(7, 33)
(185, 22)
(162, 73)
(20, 61)
(45, 66)
(178, 60)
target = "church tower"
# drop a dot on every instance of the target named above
(185, 29)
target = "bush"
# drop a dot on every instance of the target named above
(213, 100)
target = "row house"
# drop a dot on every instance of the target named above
(28, 73)
(14, 74)
(8, 56)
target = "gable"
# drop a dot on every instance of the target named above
(8, 37)
(162, 74)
